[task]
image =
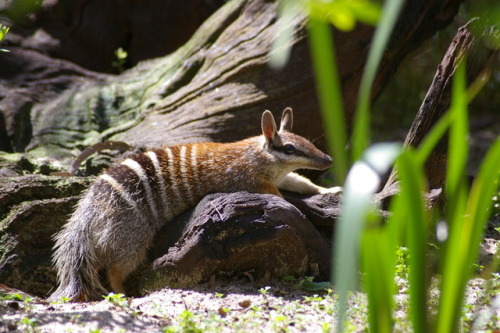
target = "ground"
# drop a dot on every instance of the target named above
(230, 306)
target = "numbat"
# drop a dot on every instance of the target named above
(116, 219)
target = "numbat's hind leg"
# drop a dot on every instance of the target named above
(116, 276)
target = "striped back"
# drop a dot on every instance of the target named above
(163, 183)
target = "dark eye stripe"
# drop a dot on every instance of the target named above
(281, 149)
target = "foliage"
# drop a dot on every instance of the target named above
(15, 297)
(186, 324)
(121, 59)
(344, 14)
(3, 32)
(119, 300)
(362, 239)
(29, 324)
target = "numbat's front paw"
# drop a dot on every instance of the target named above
(334, 190)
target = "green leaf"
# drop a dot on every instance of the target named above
(463, 246)
(432, 138)
(3, 31)
(330, 96)
(365, 11)
(378, 258)
(341, 17)
(410, 210)
(457, 143)
(362, 181)
(361, 132)
(344, 14)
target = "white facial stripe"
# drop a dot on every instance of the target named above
(161, 182)
(139, 171)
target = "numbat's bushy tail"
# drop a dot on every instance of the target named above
(118, 216)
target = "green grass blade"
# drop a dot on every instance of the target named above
(455, 262)
(431, 140)
(411, 178)
(379, 260)
(361, 131)
(356, 203)
(323, 54)
(464, 242)
(457, 147)
(362, 181)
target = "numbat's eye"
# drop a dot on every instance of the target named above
(288, 149)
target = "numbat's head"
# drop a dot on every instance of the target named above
(290, 150)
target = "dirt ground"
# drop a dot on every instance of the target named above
(231, 306)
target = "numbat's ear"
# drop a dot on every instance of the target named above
(268, 125)
(286, 120)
